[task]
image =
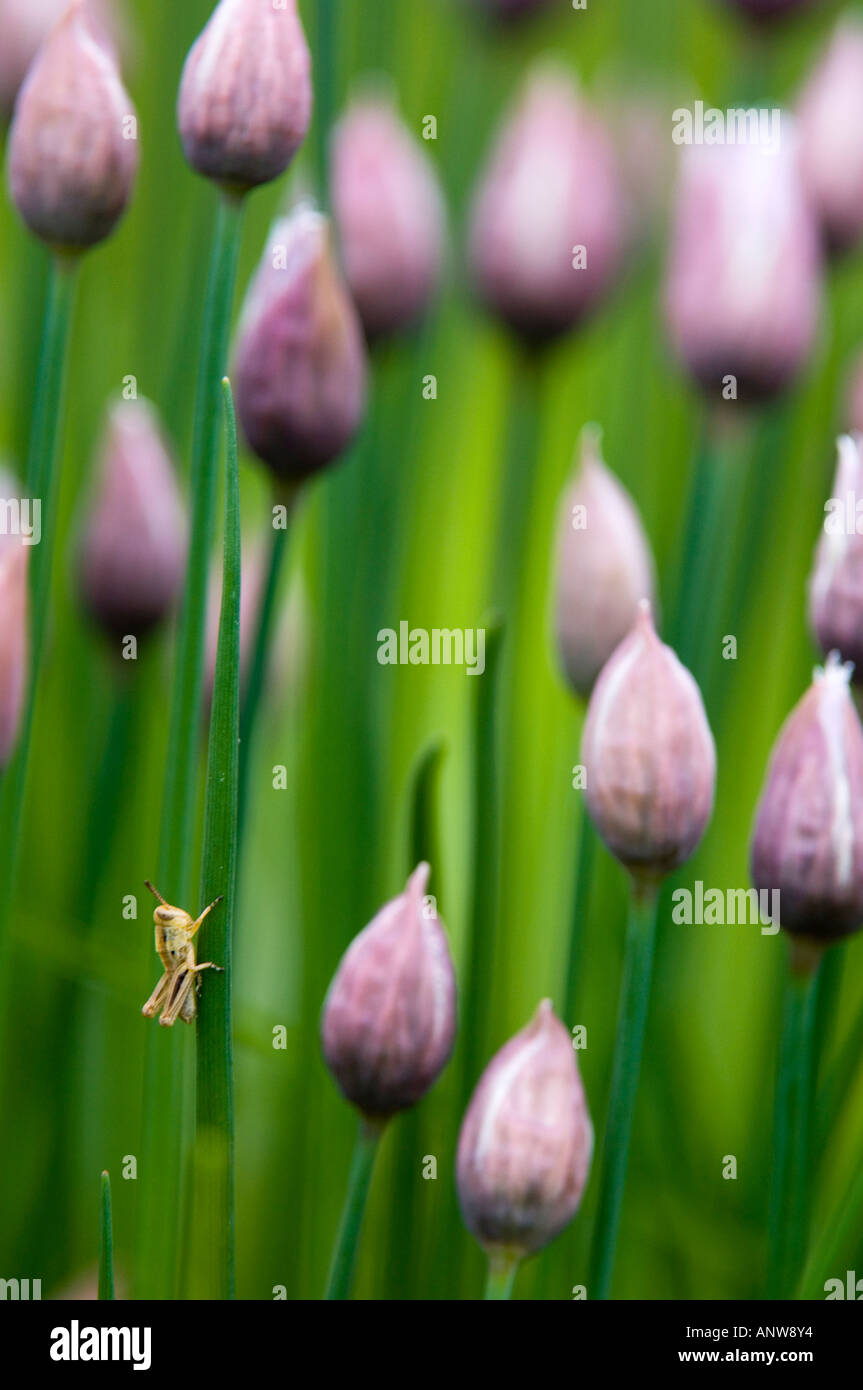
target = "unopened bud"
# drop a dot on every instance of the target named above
(526, 1141)
(836, 584)
(133, 550)
(604, 567)
(245, 94)
(300, 374)
(808, 838)
(831, 159)
(24, 26)
(649, 755)
(389, 1019)
(73, 145)
(548, 231)
(14, 556)
(389, 214)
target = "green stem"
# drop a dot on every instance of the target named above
(359, 1180)
(163, 1082)
(260, 656)
(325, 86)
(42, 483)
(502, 1270)
(788, 1221)
(517, 484)
(106, 1242)
(632, 1018)
(580, 909)
(212, 1270)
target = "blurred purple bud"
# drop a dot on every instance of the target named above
(548, 224)
(526, 1141)
(649, 755)
(604, 567)
(830, 115)
(854, 396)
(808, 838)
(14, 556)
(743, 290)
(133, 549)
(24, 25)
(389, 214)
(300, 375)
(769, 11)
(73, 144)
(245, 94)
(389, 1019)
(836, 583)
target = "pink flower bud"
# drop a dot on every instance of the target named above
(836, 584)
(73, 145)
(649, 756)
(854, 396)
(24, 25)
(300, 375)
(831, 158)
(604, 567)
(743, 291)
(389, 1019)
(547, 231)
(133, 550)
(14, 555)
(526, 1141)
(245, 94)
(808, 839)
(390, 217)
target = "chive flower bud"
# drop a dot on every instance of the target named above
(743, 287)
(808, 837)
(526, 1142)
(14, 556)
(389, 214)
(300, 373)
(604, 567)
(649, 756)
(547, 232)
(24, 26)
(73, 147)
(836, 583)
(245, 93)
(133, 550)
(830, 111)
(389, 1019)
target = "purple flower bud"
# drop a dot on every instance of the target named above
(604, 567)
(300, 375)
(649, 755)
(526, 1141)
(73, 146)
(743, 291)
(24, 25)
(389, 1019)
(831, 158)
(548, 231)
(245, 94)
(133, 550)
(389, 214)
(836, 583)
(14, 556)
(808, 839)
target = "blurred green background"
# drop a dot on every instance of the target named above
(405, 528)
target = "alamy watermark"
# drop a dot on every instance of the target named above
(728, 907)
(738, 125)
(21, 516)
(438, 646)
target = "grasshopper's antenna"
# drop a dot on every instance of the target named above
(155, 892)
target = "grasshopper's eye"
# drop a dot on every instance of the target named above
(165, 914)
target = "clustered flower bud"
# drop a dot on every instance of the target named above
(743, 290)
(389, 213)
(604, 567)
(831, 159)
(389, 1019)
(73, 146)
(133, 550)
(245, 94)
(526, 1141)
(836, 583)
(300, 373)
(808, 838)
(548, 225)
(648, 755)
(14, 556)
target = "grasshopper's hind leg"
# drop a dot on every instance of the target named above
(153, 1003)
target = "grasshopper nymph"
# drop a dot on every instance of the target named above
(175, 933)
